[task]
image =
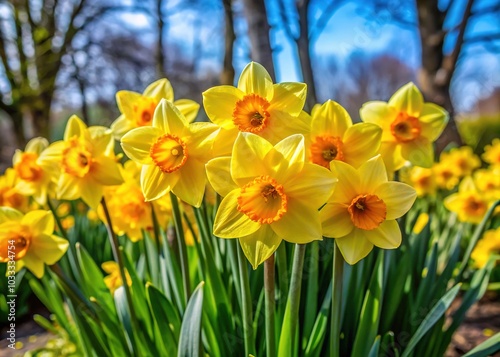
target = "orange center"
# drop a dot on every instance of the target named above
(367, 211)
(169, 153)
(263, 200)
(405, 128)
(16, 241)
(325, 149)
(250, 113)
(474, 206)
(144, 110)
(77, 160)
(27, 169)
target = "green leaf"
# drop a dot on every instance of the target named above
(190, 344)
(46, 324)
(487, 348)
(432, 317)
(375, 348)
(318, 333)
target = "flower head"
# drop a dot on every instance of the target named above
(461, 160)
(488, 245)
(333, 137)
(32, 239)
(138, 109)
(10, 196)
(363, 209)
(409, 127)
(271, 194)
(86, 160)
(491, 153)
(421, 179)
(114, 280)
(257, 106)
(173, 153)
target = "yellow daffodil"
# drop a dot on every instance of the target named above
(468, 203)
(10, 196)
(445, 176)
(87, 162)
(138, 109)
(488, 181)
(32, 237)
(114, 280)
(462, 160)
(491, 153)
(363, 209)
(333, 137)
(488, 245)
(173, 153)
(36, 177)
(258, 106)
(421, 179)
(409, 127)
(271, 194)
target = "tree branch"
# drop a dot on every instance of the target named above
(326, 14)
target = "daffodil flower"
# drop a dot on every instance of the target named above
(409, 126)
(138, 109)
(273, 111)
(35, 177)
(488, 245)
(173, 152)
(10, 196)
(29, 239)
(87, 162)
(491, 153)
(114, 279)
(333, 137)
(363, 209)
(271, 194)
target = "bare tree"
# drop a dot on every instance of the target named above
(227, 74)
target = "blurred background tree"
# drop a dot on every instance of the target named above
(65, 56)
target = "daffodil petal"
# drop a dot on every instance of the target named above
(289, 97)
(102, 140)
(381, 114)
(53, 154)
(74, 127)
(125, 101)
(68, 187)
(361, 142)
(49, 248)
(282, 124)
(247, 150)
(160, 89)
(137, 143)
(231, 223)
(259, 246)
(9, 214)
(330, 119)
(106, 171)
(189, 108)
(169, 119)
(201, 140)
(300, 224)
(219, 175)
(37, 145)
(121, 126)
(354, 246)
(386, 236)
(191, 186)
(348, 184)
(372, 173)
(255, 79)
(335, 220)
(92, 193)
(40, 221)
(408, 99)
(219, 103)
(433, 120)
(418, 152)
(287, 157)
(313, 185)
(391, 154)
(398, 198)
(224, 141)
(155, 183)
(34, 264)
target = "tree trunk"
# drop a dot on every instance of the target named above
(227, 74)
(160, 58)
(258, 32)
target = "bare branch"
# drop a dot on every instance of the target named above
(326, 14)
(285, 21)
(483, 38)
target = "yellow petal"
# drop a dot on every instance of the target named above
(231, 223)
(335, 220)
(398, 198)
(121, 126)
(224, 141)
(248, 150)
(361, 142)
(289, 97)
(381, 114)
(348, 184)
(419, 152)
(68, 187)
(37, 145)
(169, 119)
(106, 171)
(53, 154)
(433, 120)
(91, 193)
(200, 143)
(49, 248)
(155, 183)
(161, 89)
(9, 214)
(300, 224)
(137, 143)
(191, 186)
(109, 267)
(219, 175)
(74, 127)
(313, 185)
(102, 140)
(189, 108)
(282, 124)
(259, 246)
(354, 246)
(386, 236)
(34, 264)
(255, 79)
(408, 99)
(39, 221)
(287, 157)
(126, 100)
(330, 119)
(373, 173)
(391, 153)
(219, 103)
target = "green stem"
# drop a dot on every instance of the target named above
(338, 273)
(181, 242)
(158, 236)
(146, 256)
(270, 306)
(58, 220)
(246, 304)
